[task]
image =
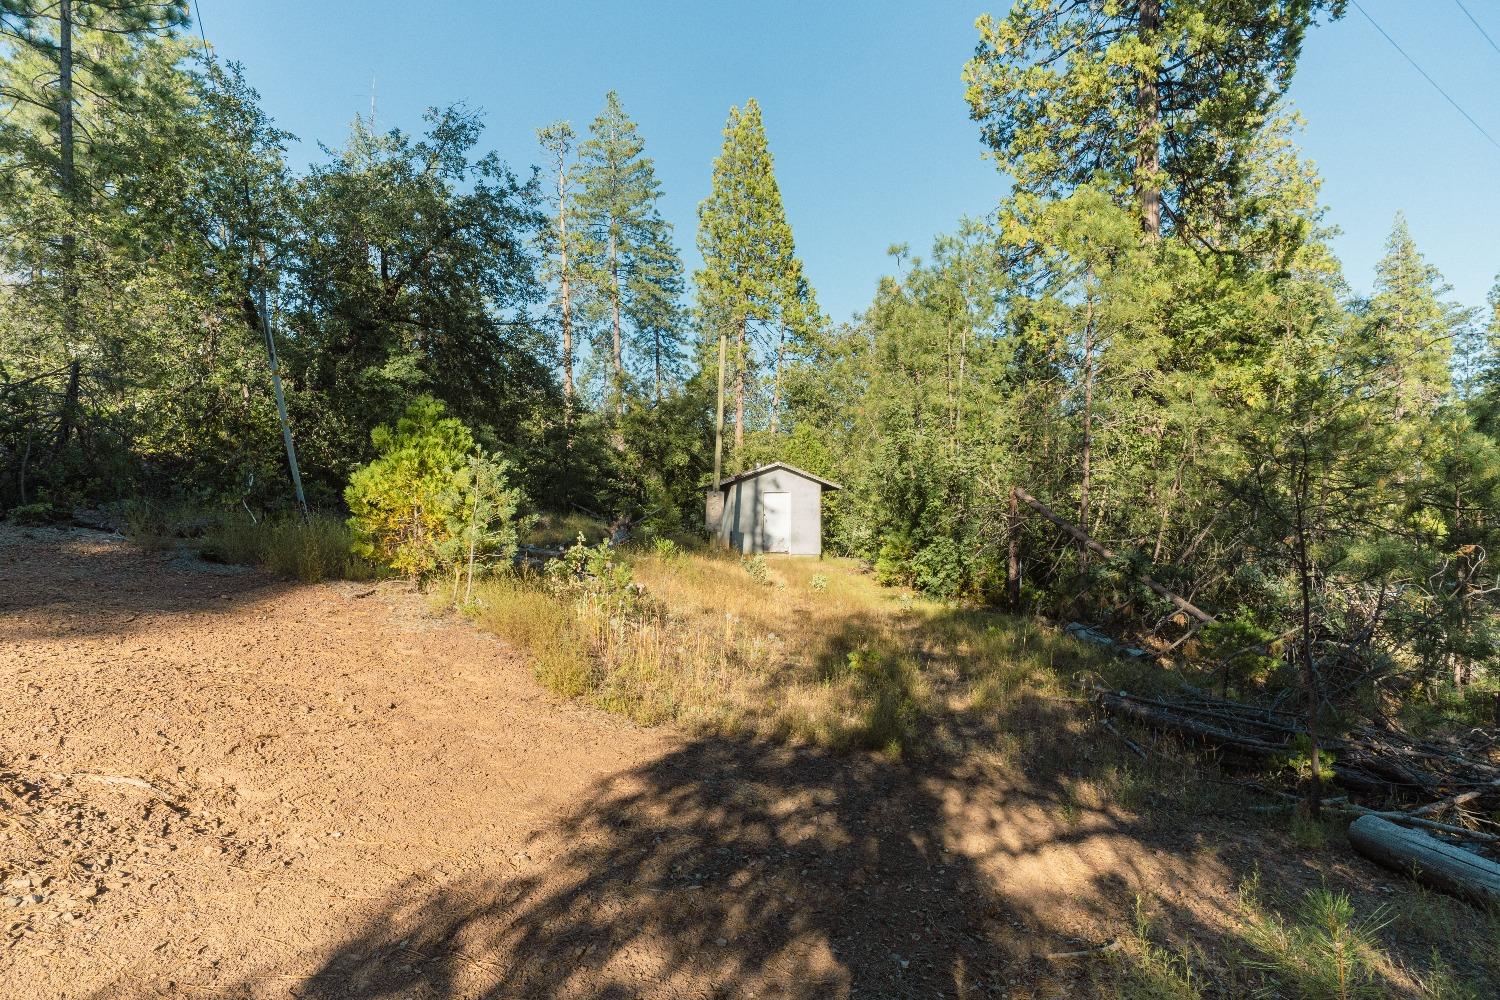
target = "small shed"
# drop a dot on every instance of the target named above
(775, 508)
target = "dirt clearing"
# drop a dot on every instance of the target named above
(215, 783)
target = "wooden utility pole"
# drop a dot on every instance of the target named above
(286, 424)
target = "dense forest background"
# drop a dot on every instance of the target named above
(1149, 336)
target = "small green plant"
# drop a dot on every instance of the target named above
(1310, 834)
(819, 583)
(481, 523)
(599, 572)
(1326, 953)
(756, 566)
(665, 548)
(1158, 974)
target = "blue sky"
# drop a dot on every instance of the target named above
(864, 107)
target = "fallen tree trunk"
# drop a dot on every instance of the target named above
(1083, 538)
(1430, 861)
(1379, 764)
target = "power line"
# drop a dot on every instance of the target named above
(198, 16)
(1435, 86)
(1476, 24)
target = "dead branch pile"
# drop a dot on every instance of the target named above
(1458, 778)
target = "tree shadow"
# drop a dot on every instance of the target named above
(56, 583)
(732, 868)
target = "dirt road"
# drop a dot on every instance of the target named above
(215, 783)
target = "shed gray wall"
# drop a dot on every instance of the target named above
(740, 529)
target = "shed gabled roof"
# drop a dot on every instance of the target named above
(752, 473)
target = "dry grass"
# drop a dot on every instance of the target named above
(794, 647)
(311, 550)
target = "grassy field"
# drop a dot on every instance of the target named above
(793, 647)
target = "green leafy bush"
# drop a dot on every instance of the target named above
(599, 572)
(938, 570)
(431, 502)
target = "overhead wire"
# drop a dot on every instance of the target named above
(1479, 27)
(1425, 75)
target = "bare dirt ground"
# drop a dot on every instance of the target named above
(216, 783)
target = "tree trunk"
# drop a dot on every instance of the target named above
(1086, 457)
(67, 177)
(1148, 142)
(719, 414)
(1309, 669)
(69, 408)
(564, 294)
(739, 394)
(1013, 555)
(1430, 861)
(618, 354)
(776, 384)
(656, 363)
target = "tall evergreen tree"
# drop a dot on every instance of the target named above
(1411, 330)
(750, 272)
(70, 71)
(628, 251)
(1155, 101)
(562, 242)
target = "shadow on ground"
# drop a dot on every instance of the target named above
(732, 869)
(86, 582)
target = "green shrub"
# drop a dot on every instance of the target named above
(481, 527)
(756, 566)
(665, 548)
(599, 572)
(430, 502)
(819, 582)
(893, 562)
(38, 514)
(938, 569)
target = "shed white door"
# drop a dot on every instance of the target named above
(776, 521)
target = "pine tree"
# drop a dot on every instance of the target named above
(627, 250)
(557, 140)
(1152, 100)
(1410, 330)
(750, 273)
(66, 69)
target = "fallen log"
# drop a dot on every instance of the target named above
(1430, 861)
(1143, 711)
(1083, 538)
